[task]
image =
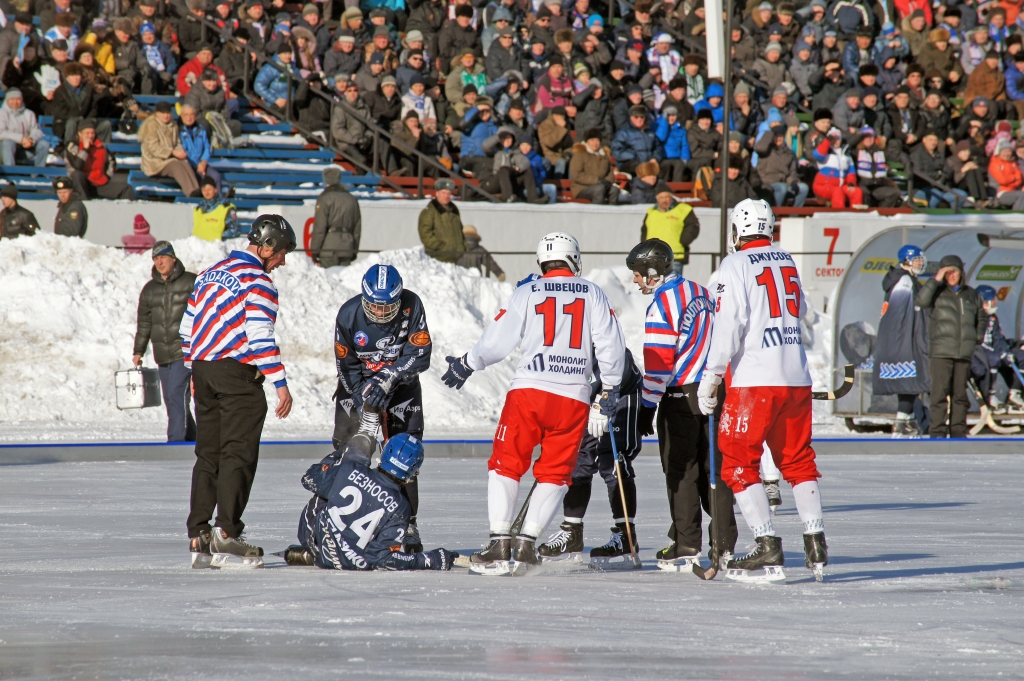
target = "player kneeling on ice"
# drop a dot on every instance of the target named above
(561, 323)
(358, 515)
(597, 456)
(757, 337)
(381, 346)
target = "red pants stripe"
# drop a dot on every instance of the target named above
(778, 415)
(533, 417)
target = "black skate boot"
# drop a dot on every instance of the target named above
(677, 558)
(771, 488)
(412, 538)
(816, 554)
(233, 552)
(525, 552)
(199, 547)
(566, 544)
(763, 564)
(495, 558)
(905, 428)
(616, 554)
(296, 555)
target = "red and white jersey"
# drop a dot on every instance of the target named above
(758, 313)
(561, 323)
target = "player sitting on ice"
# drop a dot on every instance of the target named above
(381, 346)
(757, 337)
(358, 515)
(995, 356)
(561, 323)
(596, 456)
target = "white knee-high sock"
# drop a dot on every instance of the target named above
(769, 471)
(808, 505)
(546, 502)
(753, 503)
(502, 493)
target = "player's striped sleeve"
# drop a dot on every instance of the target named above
(659, 346)
(260, 317)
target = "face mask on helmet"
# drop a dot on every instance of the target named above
(382, 293)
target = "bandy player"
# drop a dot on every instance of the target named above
(562, 323)
(757, 337)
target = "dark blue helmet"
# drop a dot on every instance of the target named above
(986, 292)
(382, 293)
(402, 457)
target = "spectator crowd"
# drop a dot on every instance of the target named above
(831, 100)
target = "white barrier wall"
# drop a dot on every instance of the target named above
(110, 220)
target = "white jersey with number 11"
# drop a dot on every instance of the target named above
(758, 314)
(561, 323)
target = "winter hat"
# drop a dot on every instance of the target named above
(162, 107)
(822, 114)
(854, 92)
(666, 38)
(963, 145)
(470, 231)
(469, 89)
(595, 20)
(352, 13)
(617, 65)
(417, 79)
(669, 109)
(775, 29)
(917, 13)
(286, 47)
(951, 261)
(209, 74)
(464, 11)
(62, 183)
(773, 46)
(310, 8)
(377, 58)
(140, 226)
(705, 113)
(867, 131)
(741, 89)
(444, 183)
(661, 188)
(9, 190)
(388, 80)
(872, 90)
(833, 132)
(24, 18)
(889, 28)
(786, 9)
(780, 90)
(331, 174)
(634, 89)
(981, 101)
(414, 36)
(765, 6)
(147, 27)
(1003, 144)
(594, 82)
(163, 248)
(736, 137)
(344, 35)
(638, 110)
(382, 31)
(831, 32)
(87, 124)
(938, 35)
(13, 92)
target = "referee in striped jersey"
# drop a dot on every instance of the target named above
(227, 335)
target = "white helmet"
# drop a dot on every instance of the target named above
(751, 217)
(563, 247)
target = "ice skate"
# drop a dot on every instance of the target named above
(905, 428)
(719, 560)
(816, 554)
(564, 545)
(199, 548)
(771, 488)
(524, 554)
(412, 539)
(995, 406)
(678, 558)
(296, 555)
(495, 559)
(1014, 402)
(234, 552)
(763, 565)
(615, 555)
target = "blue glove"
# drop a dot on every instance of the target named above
(607, 400)
(439, 559)
(378, 387)
(458, 372)
(530, 278)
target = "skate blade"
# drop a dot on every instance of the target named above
(774, 509)
(819, 572)
(232, 562)
(520, 569)
(678, 564)
(624, 562)
(201, 560)
(571, 557)
(771, 574)
(499, 568)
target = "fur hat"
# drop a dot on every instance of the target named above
(648, 168)
(938, 35)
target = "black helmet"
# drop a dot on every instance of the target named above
(273, 231)
(652, 254)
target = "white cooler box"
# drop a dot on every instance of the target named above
(137, 388)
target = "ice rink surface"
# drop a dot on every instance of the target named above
(926, 582)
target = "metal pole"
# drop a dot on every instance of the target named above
(726, 114)
(419, 177)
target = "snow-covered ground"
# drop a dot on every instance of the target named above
(926, 582)
(68, 307)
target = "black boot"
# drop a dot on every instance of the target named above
(674, 551)
(815, 550)
(564, 543)
(617, 544)
(499, 549)
(525, 550)
(298, 555)
(768, 552)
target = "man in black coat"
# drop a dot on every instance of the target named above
(15, 220)
(72, 217)
(956, 326)
(74, 100)
(162, 304)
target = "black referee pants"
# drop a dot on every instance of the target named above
(683, 443)
(230, 410)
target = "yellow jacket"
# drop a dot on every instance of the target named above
(668, 226)
(210, 226)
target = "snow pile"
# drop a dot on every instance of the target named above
(68, 312)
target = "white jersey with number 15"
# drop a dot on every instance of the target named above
(561, 323)
(758, 313)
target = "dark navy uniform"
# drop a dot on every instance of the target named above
(596, 455)
(361, 349)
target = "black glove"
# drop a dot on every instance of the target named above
(439, 559)
(458, 372)
(795, 187)
(378, 387)
(645, 421)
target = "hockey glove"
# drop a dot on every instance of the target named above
(645, 421)
(707, 392)
(439, 559)
(378, 387)
(458, 372)
(601, 412)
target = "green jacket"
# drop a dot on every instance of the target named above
(958, 321)
(441, 232)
